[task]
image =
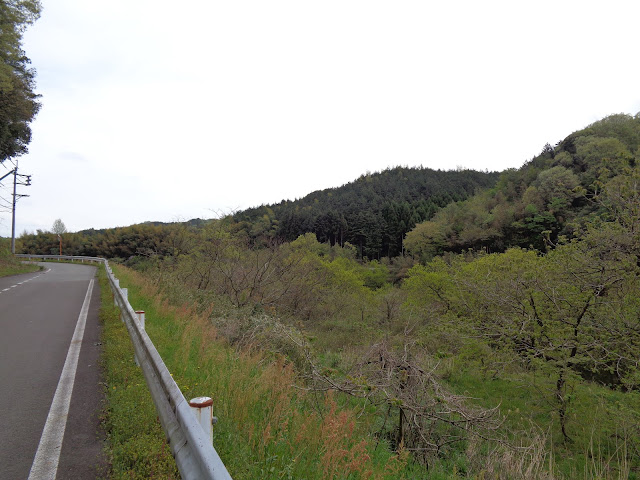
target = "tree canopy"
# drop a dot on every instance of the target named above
(58, 227)
(18, 101)
(551, 196)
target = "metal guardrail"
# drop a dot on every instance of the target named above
(61, 257)
(190, 445)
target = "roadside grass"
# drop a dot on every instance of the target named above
(10, 265)
(267, 428)
(136, 444)
(12, 268)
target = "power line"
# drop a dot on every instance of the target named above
(4, 164)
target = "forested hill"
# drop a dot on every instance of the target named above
(556, 194)
(373, 213)
(423, 211)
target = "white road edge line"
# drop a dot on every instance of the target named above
(45, 463)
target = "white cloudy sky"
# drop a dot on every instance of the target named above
(158, 110)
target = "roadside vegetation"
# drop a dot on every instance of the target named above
(267, 427)
(10, 265)
(512, 365)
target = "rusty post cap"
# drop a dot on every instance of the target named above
(201, 402)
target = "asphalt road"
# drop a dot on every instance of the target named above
(39, 313)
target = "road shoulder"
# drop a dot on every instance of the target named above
(83, 450)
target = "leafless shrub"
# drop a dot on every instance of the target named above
(422, 416)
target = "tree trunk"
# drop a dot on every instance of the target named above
(562, 406)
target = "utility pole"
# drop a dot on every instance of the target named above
(13, 211)
(15, 199)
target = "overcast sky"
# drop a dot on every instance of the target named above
(158, 110)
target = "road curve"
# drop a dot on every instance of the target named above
(39, 313)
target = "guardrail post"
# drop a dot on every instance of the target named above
(125, 295)
(116, 282)
(202, 408)
(141, 319)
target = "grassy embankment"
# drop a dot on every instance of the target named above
(267, 428)
(10, 265)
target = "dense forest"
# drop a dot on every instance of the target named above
(373, 213)
(500, 339)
